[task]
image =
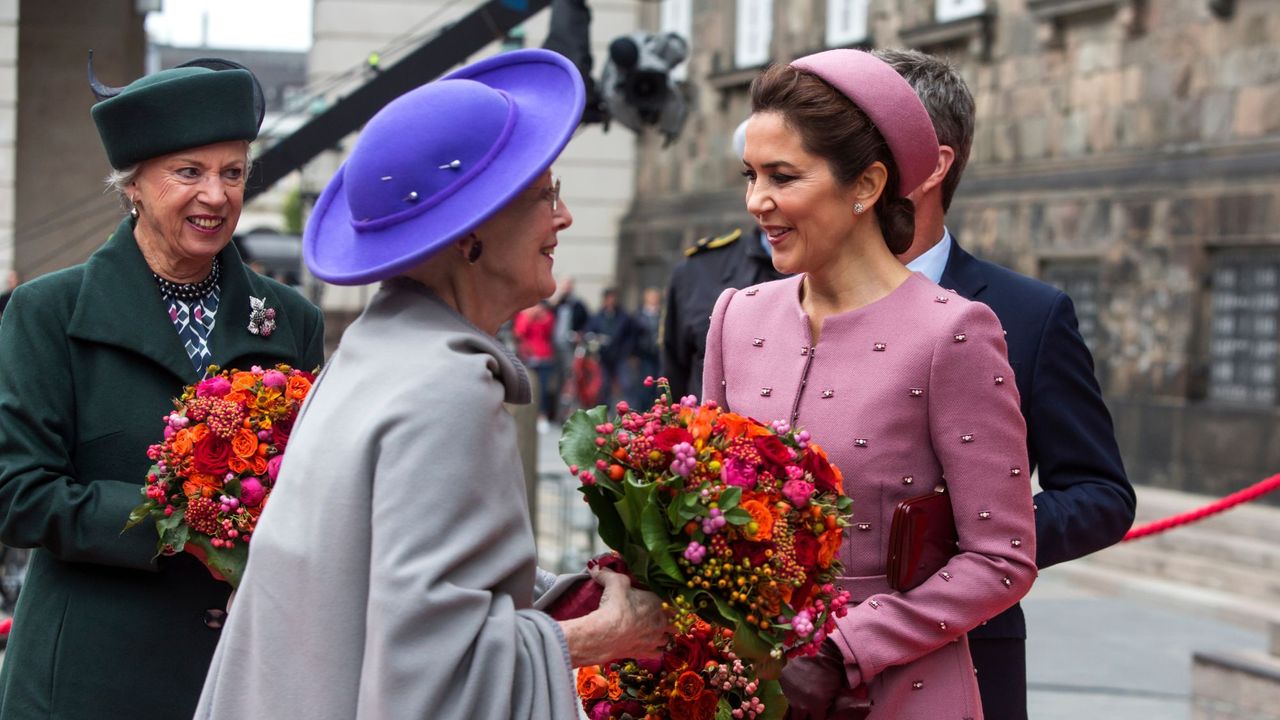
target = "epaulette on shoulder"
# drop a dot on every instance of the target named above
(713, 243)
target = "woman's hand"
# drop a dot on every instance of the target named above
(629, 623)
(811, 684)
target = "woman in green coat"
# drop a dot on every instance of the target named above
(90, 357)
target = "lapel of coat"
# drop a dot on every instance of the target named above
(962, 273)
(231, 340)
(120, 305)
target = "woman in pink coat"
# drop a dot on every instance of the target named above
(904, 383)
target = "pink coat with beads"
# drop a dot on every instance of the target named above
(901, 393)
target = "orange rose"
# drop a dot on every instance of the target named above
(244, 444)
(702, 422)
(615, 686)
(591, 684)
(201, 485)
(238, 465)
(243, 381)
(828, 544)
(181, 443)
(240, 397)
(259, 465)
(298, 387)
(761, 517)
(199, 432)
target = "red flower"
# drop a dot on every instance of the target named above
(211, 454)
(701, 708)
(689, 685)
(670, 437)
(281, 430)
(754, 551)
(687, 652)
(825, 476)
(772, 450)
(806, 549)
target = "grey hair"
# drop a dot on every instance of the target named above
(118, 180)
(947, 99)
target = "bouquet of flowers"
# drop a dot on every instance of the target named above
(221, 453)
(723, 517)
(698, 677)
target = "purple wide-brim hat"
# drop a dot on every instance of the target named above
(438, 161)
(891, 103)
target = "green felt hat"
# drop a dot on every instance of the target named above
(200, 102)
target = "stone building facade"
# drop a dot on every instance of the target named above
(1126, 150)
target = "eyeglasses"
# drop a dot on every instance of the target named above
(554, 191)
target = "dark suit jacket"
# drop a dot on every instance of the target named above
(1087, 502)
(89, 362)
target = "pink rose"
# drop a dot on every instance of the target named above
(798, 492)
(213, 387)
(738, 473)
(251, 491)
(274, 378)
(273, 467)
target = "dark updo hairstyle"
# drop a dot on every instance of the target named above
(831, 126)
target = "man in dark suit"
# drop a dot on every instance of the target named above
(1086, 502)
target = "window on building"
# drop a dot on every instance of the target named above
(753, 33)
(677, 17)
(1079, 280)
(1245, 311)
(846, 22)
(948, 10)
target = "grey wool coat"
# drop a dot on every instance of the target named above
(393, 571)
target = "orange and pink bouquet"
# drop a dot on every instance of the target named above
(214, 470)
(725, 518)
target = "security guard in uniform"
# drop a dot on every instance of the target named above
(736, 260)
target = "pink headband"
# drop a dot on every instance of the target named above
(891, 103)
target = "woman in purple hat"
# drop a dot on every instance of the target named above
(393, 574)
(900, 380)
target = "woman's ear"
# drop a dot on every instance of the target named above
(869, 185)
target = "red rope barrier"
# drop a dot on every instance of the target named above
(1241, 496)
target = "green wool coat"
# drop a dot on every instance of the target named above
(89, 363)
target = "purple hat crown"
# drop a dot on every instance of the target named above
(891, 103)
(407, 163)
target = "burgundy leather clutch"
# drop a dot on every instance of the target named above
(584, 596)
(922, 539)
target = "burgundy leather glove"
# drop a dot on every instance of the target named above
(811, 684)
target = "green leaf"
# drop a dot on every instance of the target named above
(578, 439)
(229, 563)
(635, 497)
(725, 615)
(138, 514)
(775, 703)
(730, 498)
(737, 516)
(657, 539)
(174, 540)
(723, 711)
(609, 524)
(167, 523)
(747, 643)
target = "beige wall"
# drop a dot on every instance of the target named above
(596, 169)
(60, 213)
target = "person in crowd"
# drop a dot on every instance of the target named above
(647, 350)
(1086, 502)
(571, 322)
(903, 383)
(14, 281)
(737, 259)
(615, 331)
(393, 574)
(534, 327)
(90, 359)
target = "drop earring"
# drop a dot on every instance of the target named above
(133, 208)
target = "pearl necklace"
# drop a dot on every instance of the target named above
(190, 291)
